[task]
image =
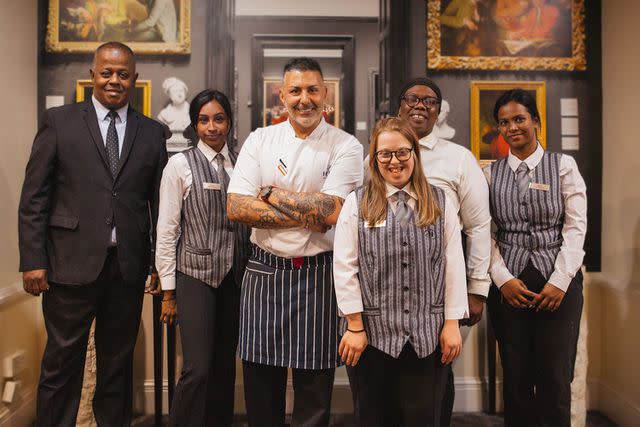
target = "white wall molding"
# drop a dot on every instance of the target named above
(12, 293)
(618, 407)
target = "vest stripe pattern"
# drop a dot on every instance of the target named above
(288, 311)
(529, 228)
(209, 245)
(402, 282)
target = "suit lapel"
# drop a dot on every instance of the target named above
(133, 122)
(91, 119)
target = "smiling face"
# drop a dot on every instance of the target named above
(421, 118)
(213, 125)
(303, 94)
(113, 76)
(518, 128)
(395, 172)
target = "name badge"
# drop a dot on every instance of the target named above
(538, 186)
(379, 224)
(211, 185)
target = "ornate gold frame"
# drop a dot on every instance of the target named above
(145, 85)
(478, 86)
(328, 82)
(577, 61)
(182, 46)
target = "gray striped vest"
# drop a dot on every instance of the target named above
(402, 282)
(210, 245)
(528, 228)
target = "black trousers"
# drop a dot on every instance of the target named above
(448, 398)
(406, 391)
(538, 352)
(208, 321)
(68, 312)
(264, 393)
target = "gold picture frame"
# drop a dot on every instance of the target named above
(486, 143)
(273, 111)
(140, 97)
(80, 26)
(493, 35)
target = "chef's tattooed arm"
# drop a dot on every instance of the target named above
(256, 213)
(310, 209)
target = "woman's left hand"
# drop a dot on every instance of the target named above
(450, 341)
(549, 298)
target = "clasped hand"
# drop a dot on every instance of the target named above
(516, 293)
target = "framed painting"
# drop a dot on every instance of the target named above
(506, 34)
(140, 97)
(152, 27)
(274, 112)
(486, 142)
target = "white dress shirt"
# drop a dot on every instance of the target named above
(329, 161)
(346, 265)
(574, 229)
(453, 168)
(174, 189)
(104, 120)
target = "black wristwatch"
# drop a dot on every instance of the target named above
(265, 192)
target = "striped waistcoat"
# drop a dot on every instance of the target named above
(402, 282)
(528, 228)
(210, 245)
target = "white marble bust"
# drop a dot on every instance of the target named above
(442, 128)
(176, 114)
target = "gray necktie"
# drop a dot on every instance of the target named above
(403, 212)
(223, 177)
(522, 179)
(113, 152)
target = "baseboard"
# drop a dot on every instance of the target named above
(615, 405)
(21, 413)
(471, 396)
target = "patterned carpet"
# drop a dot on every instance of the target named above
(594, 419)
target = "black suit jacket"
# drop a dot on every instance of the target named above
(70, 200)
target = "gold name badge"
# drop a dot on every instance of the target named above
(539, 186)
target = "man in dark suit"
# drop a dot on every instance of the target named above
(89, 201)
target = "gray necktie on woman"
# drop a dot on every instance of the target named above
(522, 179)
(403, 212)
(223, 177)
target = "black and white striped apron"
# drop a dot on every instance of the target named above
(288, 311)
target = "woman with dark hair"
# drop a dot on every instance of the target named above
(539, 206)
(201, 257)
(400, 285)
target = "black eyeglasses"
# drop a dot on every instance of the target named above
(428, 102)
(402, 155)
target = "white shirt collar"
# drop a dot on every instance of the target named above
(315, 134)
(210, 153)
(531, 161)
(391, 190)
(102, 111)
(429, 141)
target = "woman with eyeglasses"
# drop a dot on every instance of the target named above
(539, 207)
(400, 285)
(454, 169)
